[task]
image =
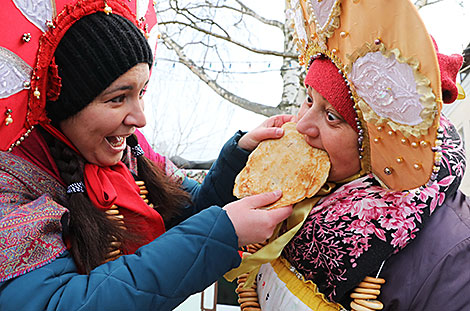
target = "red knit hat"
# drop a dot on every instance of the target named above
(327, 80)
(449, 66)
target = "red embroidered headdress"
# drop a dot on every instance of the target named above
(28, 74)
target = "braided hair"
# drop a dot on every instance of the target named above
(89, 231)
(165, 194)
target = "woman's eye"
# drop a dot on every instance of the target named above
(142, 92)
(118, 99)
(332, 117)
(308, 101)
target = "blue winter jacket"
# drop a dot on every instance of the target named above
(160, 275)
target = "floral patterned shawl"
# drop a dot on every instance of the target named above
(349, 233)
(30, 217)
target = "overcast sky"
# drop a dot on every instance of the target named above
(449, 23)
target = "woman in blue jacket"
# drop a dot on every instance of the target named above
(90, 217)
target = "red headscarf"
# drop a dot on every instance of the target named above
(324, 77)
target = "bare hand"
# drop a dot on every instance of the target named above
(252, 224)
(269, 129)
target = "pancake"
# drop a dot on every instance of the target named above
(288, 164)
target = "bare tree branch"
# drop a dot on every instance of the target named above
(201, 17)
(246, 10)
(422, 3)
(229, 39)
(192, 18)
(200, 72)
(243, 10)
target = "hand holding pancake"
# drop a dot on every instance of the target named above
(269, 129)
(257, 229)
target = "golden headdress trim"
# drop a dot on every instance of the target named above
(325, 24)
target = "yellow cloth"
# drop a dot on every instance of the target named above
(461, 92)
(274, 248)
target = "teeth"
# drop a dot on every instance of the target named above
(115, 141)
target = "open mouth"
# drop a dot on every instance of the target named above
(116, 141)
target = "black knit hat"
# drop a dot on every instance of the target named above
(93, 53)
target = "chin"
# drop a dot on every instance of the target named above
(115, 161)
(343, 178)
(110, 160)
(336, 176)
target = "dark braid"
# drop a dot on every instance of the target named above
(166, 195)
(90, 232)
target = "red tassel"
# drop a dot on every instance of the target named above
(54, 82)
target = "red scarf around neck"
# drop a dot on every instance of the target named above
(115, 185)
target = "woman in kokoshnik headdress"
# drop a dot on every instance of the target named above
(375, 85)
(85, 203)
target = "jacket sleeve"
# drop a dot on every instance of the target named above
(448, 284)
(431, 274)
(217, 187)
(159, 276)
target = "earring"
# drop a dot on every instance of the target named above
(360, 139)
(8, 118)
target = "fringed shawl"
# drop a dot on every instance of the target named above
(32, 204)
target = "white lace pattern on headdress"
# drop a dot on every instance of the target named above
(388, 87)
(322, 12)
(325, 15)
(37, 12)
(294, 14)
(15, 73)
(299, 25)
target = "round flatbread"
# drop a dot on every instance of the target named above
(288, 164)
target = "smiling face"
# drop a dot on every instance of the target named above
(324, 128)
(99, 131)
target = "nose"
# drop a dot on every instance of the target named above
(307, 124)
(136, 115)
